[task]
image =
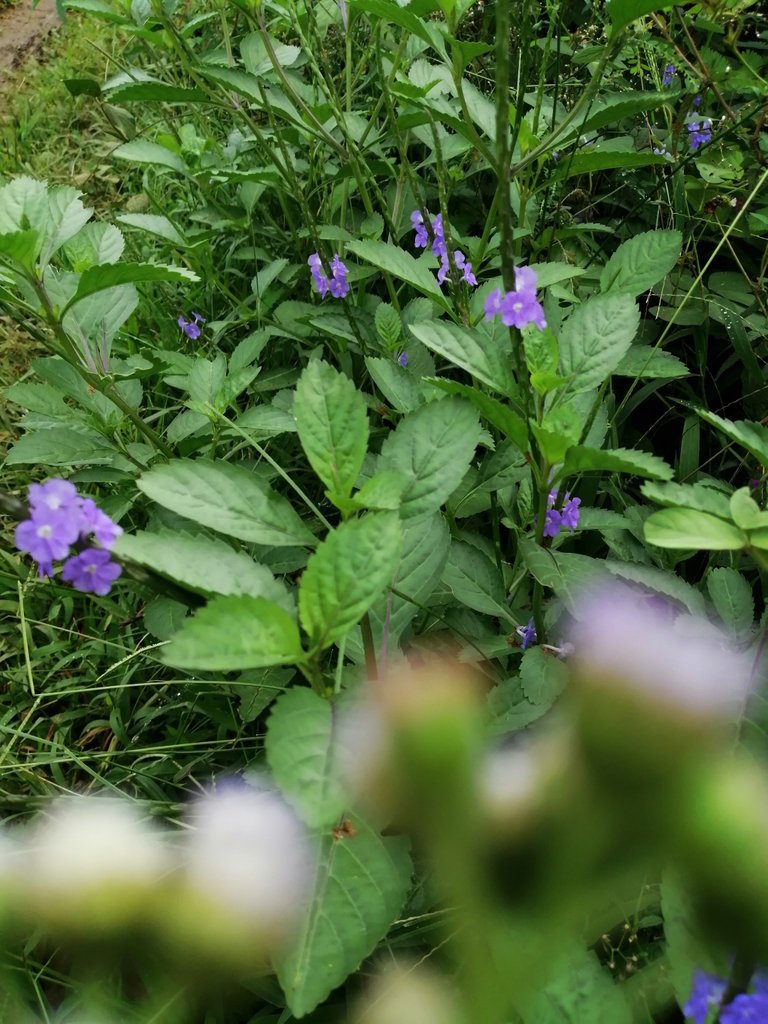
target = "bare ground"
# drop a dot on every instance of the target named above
(22, 29)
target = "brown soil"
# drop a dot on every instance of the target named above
(22, 29)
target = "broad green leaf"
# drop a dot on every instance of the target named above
(389, 326)
(99, 8)
(20, 247)
(257, 688)
(256, 56)
(499, 415)
(204, 564)
(733, 600)
(542, 677)
(752, 436)
(475, 580)
(686, 528)
(399, 263)
(432, 448)
(153, 224)
(399, 385)
(486, 358)
(645, 361)
(300, 754)
(660, 580)
(579, 459)
(142, 151)
(607, 160)
(24, 206)
(397, 14)
(581, 991)
(745, 511)
(698, 496)
(641, 262)
(98, 318)
(332, 422)
(235, 633)
(615, 107)
(61, 447)
(348, 572)
(156, 92)
(227, 498)
(360, 884)
(97, 279)
(562, 571)
(595, 338)
(622, 12)
(95, 244)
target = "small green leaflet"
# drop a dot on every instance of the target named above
(347, 573)
(475, 580)
(332, 421)
(688, 529)
(360, 884)
(733, 600)
(300, 754)
(542, 677)
(235, 633)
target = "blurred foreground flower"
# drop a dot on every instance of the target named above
(413, 995)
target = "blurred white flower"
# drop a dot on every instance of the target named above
(630, 638)
(247, 853)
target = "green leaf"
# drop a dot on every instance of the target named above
(660, 580)
(21, 247)
(389, 326)
(235, 633)
(432, 448)
(498, 415)
(93, 245)
(732, 597)
(686, 528)
(645, 361)
(156, 92)
(98, 279)
(613, 108)
(542, 677)
(205, 565)
(332, 422)
(608, 160)
(61, 447)
(399, 263)
(153, 224)
(257, 689)
(641, 262)
(227, 498)
(486, 358)
(142, 151)
(562, 571)
(595, 338)
(475, 580)
(698, 496)
(299, 747)
(346, 574)
(752, 436)
(581, 991)
(360, 884)
(399, 385)
(745, 511)
(579, 459)
(622, 12)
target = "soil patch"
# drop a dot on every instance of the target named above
(22, 30)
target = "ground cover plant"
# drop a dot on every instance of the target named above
(384, 516)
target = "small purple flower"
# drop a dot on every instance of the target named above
(402, 359)
(417, 223)
(747, 1008)
(98, 523)
(527, 634)
(337, 285)
(669, 73)
(54, 495)
(699, 134)
(570, 514)
(519, 307)
(552, 522)
(661, 151)
(438, 245)
(92, 571)
(316, 269)
(555, 155)
(697, 100)
(191, 328)
(567, 516)
(440, 250)
(755, 483)
(706, 994)
(492, 304)
(47, 537)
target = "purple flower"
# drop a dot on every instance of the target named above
(527, 634)
(47, 537)
(552, 522)
(697, 100)
(748, 1008)
(55, 494)
(440, 250)
(417, 223)
(555, 155)
(92, 571)
(402, 359)
(669, 73)
(519, 307)
(438, 244)
(556, 519)
(337, 285)
(570, 514)
(99, 524)
(191, 329)
(706, 993)
(698, 134)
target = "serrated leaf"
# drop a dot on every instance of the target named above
(61, 447)
(641, 262)
(389, 327)
(542, 677)
(595, 338)
(499, 415)
(580, 459)
(698, 496)
(622, 12)
(647, 362)
(227, 498)
(399, 385)
(432, 448)
(581, 991)
(156, 92)
(686, 528)
(95, 245)
(475, 580)
(661, 581)
(360, 884)
(562, 571)
(486, 358)
(142, 151)
(733, 600)
(745, 511)
(399, 263)
(300, 754)
(752, 436)
(205, 565)
(235, 633)
(332, 422)
(608, 160)
(153, 224)
(346, 574)
(97, 279)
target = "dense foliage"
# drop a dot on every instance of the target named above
(398, 326)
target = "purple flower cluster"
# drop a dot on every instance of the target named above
(60, 517)
(567, 516)
(440, 249)
(520, 307)
(698, 134)
(706, 996)
(669, 73)
(401, 358)
(191, 328)
(337, 284)
(527, 635)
